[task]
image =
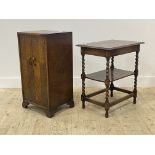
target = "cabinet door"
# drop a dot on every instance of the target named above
(27, 78)
(40, 70)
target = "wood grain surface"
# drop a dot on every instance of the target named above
(110, 44)
(46, 64)
(113, 76)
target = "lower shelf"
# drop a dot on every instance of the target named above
(114, 75)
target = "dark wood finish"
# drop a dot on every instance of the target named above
(94, 102)
(122, 90)
(114, 75)
(107, 85)
(46, 69)
(110, 104)
(110, 44)
(109, 49)
(121, 99)
(124, 50)
(135, 77)
(83, 80)
(96, 93)
(40, 32)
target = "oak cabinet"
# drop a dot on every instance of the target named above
(46, 69)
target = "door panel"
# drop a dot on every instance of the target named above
(27, 77)
(40, 70)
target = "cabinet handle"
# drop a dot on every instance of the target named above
(34, 61)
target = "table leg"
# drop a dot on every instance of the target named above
(135, 78)
(107, 84)
(83, 80)
(112, 84)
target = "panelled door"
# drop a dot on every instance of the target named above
(40, 70)
(27, 75)
(34, 69)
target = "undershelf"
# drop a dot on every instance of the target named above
(114, 75)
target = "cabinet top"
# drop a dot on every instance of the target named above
(110, 44)
(41, 32)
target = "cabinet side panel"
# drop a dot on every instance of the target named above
(60, 68)
(26, 69)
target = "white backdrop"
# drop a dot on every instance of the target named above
(83, 31)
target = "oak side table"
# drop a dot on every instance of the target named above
(109, 49)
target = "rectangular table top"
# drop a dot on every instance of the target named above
(110, 44)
